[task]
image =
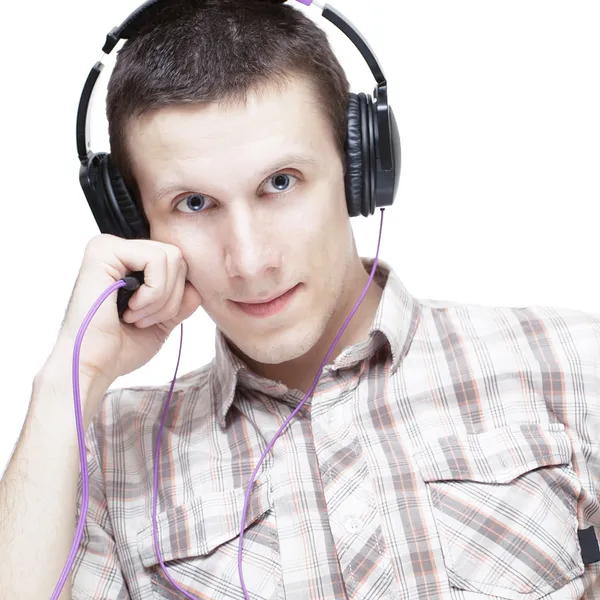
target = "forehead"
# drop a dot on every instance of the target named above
(273, 119)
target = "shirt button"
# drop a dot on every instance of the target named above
(332, 419)
(353, 525)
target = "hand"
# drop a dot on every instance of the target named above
(110, 347)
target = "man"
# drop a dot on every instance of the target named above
(448, 451)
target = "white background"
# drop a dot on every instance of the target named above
(497, 105)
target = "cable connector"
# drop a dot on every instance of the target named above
(131, 283)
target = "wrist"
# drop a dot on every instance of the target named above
(56, 378)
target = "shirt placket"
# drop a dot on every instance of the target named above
(352, 509)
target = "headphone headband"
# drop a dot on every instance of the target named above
(127, 28)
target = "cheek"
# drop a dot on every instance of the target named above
(199, 252)
(330, 226)
(322, 212)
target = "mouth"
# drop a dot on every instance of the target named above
(269, 307)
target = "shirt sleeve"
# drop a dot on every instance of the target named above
(96, 571)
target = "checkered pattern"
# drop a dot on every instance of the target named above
(454, 454)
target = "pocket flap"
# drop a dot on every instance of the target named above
(197, 527)
(496, 456)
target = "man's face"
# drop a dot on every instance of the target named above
(253, 195)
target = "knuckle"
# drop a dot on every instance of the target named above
(96, 243)
(154, 295)
(156, 273)
(175, 260)
(164, 258)
(176, 253)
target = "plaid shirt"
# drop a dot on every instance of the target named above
(454, 454)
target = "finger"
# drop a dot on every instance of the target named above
(171, 307)
(153, 300)
(109, 258)
(190, 302)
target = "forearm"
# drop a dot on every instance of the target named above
(38, 492)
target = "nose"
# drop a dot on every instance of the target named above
(249, 249)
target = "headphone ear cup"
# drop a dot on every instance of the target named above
(396, 152)
(354, 158)
(368, 124)
(131, 222)
(93, 188)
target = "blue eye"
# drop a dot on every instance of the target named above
(281, 182)
(195, 203)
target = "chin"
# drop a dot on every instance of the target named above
(282, 347)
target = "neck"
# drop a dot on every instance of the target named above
(300, 372)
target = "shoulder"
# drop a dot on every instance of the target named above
(128, 417)
(533, 333)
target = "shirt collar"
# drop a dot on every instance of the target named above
(394, 324)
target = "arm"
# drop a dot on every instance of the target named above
(38, 492)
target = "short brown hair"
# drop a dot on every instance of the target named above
(192, 51)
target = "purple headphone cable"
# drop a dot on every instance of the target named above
(81, 435)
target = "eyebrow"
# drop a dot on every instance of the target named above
(167, 188)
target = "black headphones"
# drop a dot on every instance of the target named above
(372, 147)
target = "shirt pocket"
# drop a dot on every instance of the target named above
(199, 543)
(505, 507)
